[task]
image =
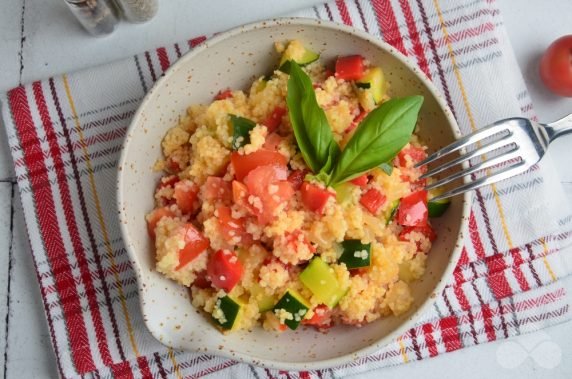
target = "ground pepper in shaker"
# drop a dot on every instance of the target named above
(138, 10)
(96, 16)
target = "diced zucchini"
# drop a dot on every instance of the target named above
(405, 273)
(260, 84)
(344, 193)
(298, 53)
(265, 302)
(365, 98)
(391, 211)
(356, 254)
(387, 167)
(373, 81)
(293, 306)
(320, 278)
(241, 128)
(436, 208)
(227, 312)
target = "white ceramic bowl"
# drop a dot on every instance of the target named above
(233, 59)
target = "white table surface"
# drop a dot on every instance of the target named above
(39, 38)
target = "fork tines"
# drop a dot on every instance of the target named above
(496, 137)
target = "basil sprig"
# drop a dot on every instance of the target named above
(377, 139)
(309, 122)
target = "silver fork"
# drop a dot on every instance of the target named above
(524, 143)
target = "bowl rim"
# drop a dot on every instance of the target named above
(244, 357)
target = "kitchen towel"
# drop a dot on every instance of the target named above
(65, 136)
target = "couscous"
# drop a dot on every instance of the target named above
(297, 201)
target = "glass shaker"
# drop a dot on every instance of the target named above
(96, 16)
(138, 10)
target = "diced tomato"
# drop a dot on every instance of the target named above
(224, 269)
(221, 95)
(415, 154)
(296, 178)
(186, 193)
(322, 317)
(272, 142)
(155, 216)
(412, 209)
(356, 121)
(328, 73)
(315, 197)
(201, 280)
(195, 243)
(217, 189)
(350, 67)
(231, 227)
(360, 181)
(372, 200)
(243, 164)
(239, 192)
(418, 184)
(167, 181)
(268, 187)
(426, 230)
(172, 166)
(275, 119)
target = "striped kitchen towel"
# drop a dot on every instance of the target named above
(65, 135)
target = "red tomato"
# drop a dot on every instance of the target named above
(195, 243)
(350, 67)
(269, 188)
(556, 66)
(321, 318)
(172, 166)
(328, 73)
(221, 95)
(296, 178)
(315, 197)
(239, 193)
(217, 189)
(231, 227)
(201, 280)
(155, 216)
(275, 119)
(372, 200)
(360, 181)
(416, 154)
(412, 209)
(243, 164)
(186, 193)
(224, 270)
(272, 142)
(167, 181)
(426, 230)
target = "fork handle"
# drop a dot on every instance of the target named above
(559, 128)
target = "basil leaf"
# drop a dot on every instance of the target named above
(387, 168)
(378, 138)
(241, 128)
(309, 122)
